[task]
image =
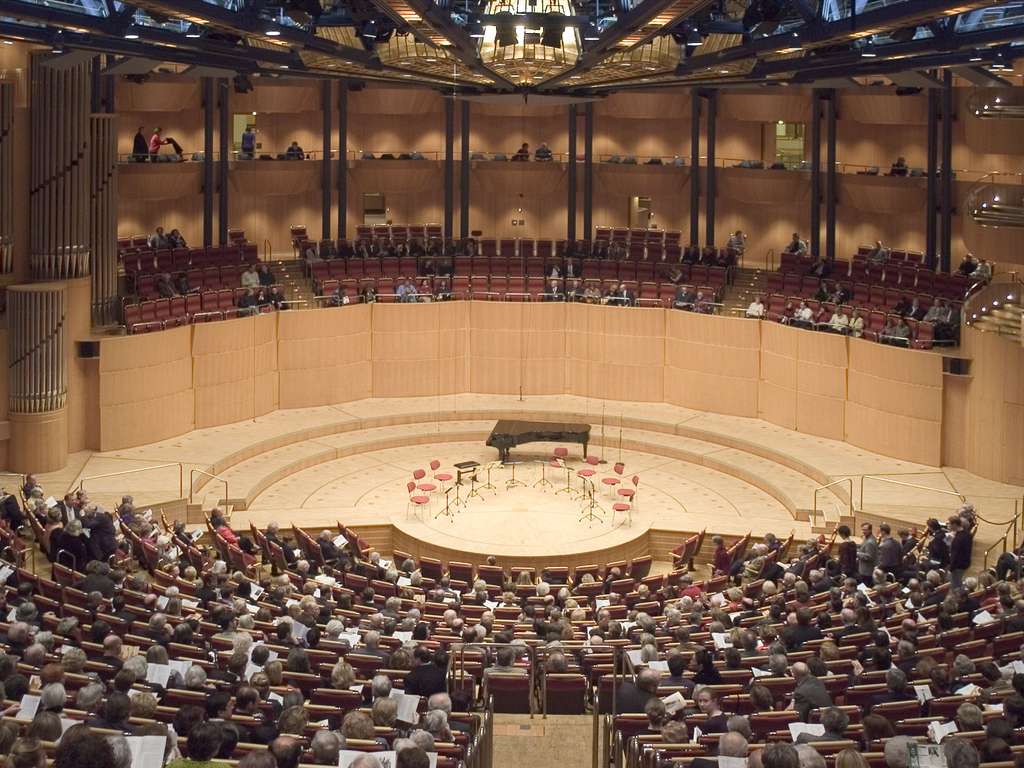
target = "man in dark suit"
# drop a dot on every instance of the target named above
(676, 671)
(98, 580)
(809, 693)
(798, 634)
(634, 697)
(102, 539)
(428, 677)
(895, 688)
(959, 552)
(273, 535)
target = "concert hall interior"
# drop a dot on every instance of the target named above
(623, 384)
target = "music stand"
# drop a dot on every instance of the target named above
(568, 480)
(591, 508)
(512, 482)
(448, 511)
(543, 477)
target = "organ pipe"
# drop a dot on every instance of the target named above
(59, 214)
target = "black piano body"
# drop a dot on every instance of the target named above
(509, 433)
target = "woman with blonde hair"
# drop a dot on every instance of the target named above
(851, 758)
(342, 676)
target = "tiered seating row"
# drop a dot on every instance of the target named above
(908, 273)
(532, 268)
(211, 278)
(208, 306)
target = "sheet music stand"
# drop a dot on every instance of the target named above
(592, 511)
(512, 482)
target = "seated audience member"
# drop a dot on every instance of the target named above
(250, 277)
(896, 332)
(902, 306)
(703, 305)
(802, 316)
(708, 704)
(140, 146)
(294, 152)
(247, 303)
(158, 239)
(265, 276)
(878, 255)
(939, 312)
(856, 324)
(339, 298)
(983, 272)
(165, 287)
(796, 246)
(737, 243)
(756, 308)
(522, 154)
(685, 298)
(839, 322)
(968, 265)
(899, 168)
(543, 153)
(276, 299)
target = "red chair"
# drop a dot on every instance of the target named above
(630, 493)
(612, 480)
(508, 693)
(415, 500)
(589, 471)
(418, 476)
(565, 694)
(441, 477)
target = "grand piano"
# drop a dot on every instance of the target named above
(509, 433)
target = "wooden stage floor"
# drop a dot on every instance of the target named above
(313, 467)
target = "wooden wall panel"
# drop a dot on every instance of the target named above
(777, 387)
(497, 343)
(624, 349)
(145, 389)
(500, 190)
(234, 369)
(712, 363)
(406, 350)
(895, 401)
(324, 356)
(668, 188)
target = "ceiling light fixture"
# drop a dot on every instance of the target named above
(132, 33)
(194, 32)
(694, 39)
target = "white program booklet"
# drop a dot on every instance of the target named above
(181, 666)
(674, 702)
(407, 706)
(814, 729)
(159, 674)
(147, 751)
(938, 731)
(923, 692)
(29, 707)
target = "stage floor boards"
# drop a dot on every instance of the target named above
(350, 462)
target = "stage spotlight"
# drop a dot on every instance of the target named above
(132, 33)
(194, 32)
(694, 39)
(505, 27)
(475, 29)
(590, 33)
(552, 30)
(369, 29)
(57, 42)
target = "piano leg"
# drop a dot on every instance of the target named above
(584, 449)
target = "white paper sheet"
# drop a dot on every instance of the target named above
(814, 729)
(407, 706)
(159, 674)
(29, 707)
(147, 751)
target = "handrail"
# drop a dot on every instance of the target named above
(268, 250)
(769, 260)
(849, 499)
(531, 652)
(879, 478)
(178, 464)
(999, 541)
(191, 482)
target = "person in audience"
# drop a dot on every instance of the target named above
(756, 308)
(879, 255)
(968, 265)
(248, 144)
(802, 316)
(158, 239)
(265, 276)
(156, 141)
(899, 168)
(248, 303)
(939, 312)
(339, 298)
(983, 272)
(856, 324)
(294, 152)
(809, 692)
(250, 277)
(522, 154)
(685, 298)
(903, 306)
(737, 243)
(708, 703)
(960, 547)
(543, 153)
(796, 246)
(140, 146)
(839, 322)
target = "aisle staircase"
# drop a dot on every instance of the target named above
(747, 283)
(297, 287)
(1007, 320)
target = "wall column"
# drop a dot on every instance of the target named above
(6, 177)
(449, 167)
(224, 107)
(325, 160)
(209, 105)
(570, 222)
(815, 235)
(709, 195)
(37, 377)
(464, 173)
(343, 160)
(932, 197)
(103, 218)
(695, 106)
(58, 217)
(830, 178)
(946, 222)
(588, 172)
